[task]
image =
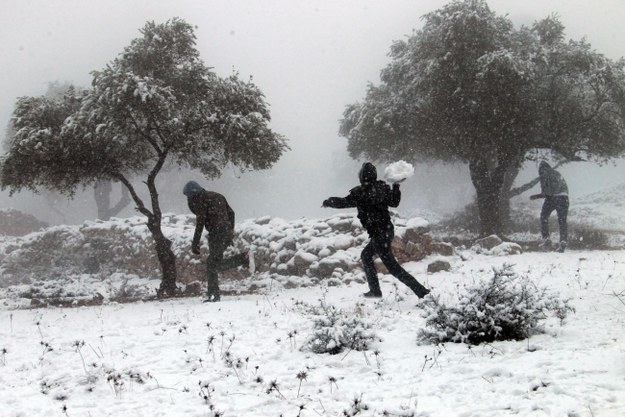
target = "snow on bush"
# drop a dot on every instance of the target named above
(398, 171)
(506, 307)
(336, 330)
(15, 223)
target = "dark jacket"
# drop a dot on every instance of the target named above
(551, 181)
(211, 209)
(372, 198)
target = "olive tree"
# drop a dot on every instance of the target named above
(470, 87)
(157, 103)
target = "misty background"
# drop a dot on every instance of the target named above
(310, 58)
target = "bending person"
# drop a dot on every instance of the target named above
(215, 215)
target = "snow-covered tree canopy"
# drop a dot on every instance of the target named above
(156, 101)
(470, 87)
(38, 155)
(468, 84)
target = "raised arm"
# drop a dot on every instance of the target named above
(394, 195)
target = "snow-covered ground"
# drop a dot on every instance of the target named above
(245, 356)
(248, 355)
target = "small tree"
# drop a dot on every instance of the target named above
(156, 103)
(469, 87)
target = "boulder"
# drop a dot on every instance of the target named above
(507, 248)
(438, 266)
(442, 248)
(489, 242)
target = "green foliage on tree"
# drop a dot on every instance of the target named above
(156, 103)
(470, 87)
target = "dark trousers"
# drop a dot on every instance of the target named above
(381, 245)
(218, 242)
(561, 205)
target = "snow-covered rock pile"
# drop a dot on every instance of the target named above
(90, 262)
(325, 248)
(82, 261)
(98, 248)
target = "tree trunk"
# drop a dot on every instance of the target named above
(102, 193)
(164, 253)
(166, 259)
(504, 197)
(488, 209)
(488, 184)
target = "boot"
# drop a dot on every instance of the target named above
(371, 294)
(212, 298)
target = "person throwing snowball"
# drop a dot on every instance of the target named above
(372, 198)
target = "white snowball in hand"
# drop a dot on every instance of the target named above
(398, 171)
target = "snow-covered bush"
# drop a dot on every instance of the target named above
(336, 330)
(505, 307)
(15, 223)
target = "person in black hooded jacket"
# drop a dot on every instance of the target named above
(214, 214)
(372, 199)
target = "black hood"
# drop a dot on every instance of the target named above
(544, 167)
(191, 188)
(368, 174)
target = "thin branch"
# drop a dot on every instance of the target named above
(146, 136)
(151, 183)
(138, 202)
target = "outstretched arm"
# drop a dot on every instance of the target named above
(339, 202)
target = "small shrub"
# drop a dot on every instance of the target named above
(583, 236)
(16, 223)
(506, 307)
(335, 330)
(466, 220)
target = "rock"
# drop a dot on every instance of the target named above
(412, 250)
(438, 266)
(415, 234)
(443, 248)
(507, 248)
(193, 288)
(263, 220)
(326, 267)
(489, 242)
(343, 242)
(341, 225)
(302, 260)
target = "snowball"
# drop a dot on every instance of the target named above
(398, 171)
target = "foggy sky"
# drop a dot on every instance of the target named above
(310, 58)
